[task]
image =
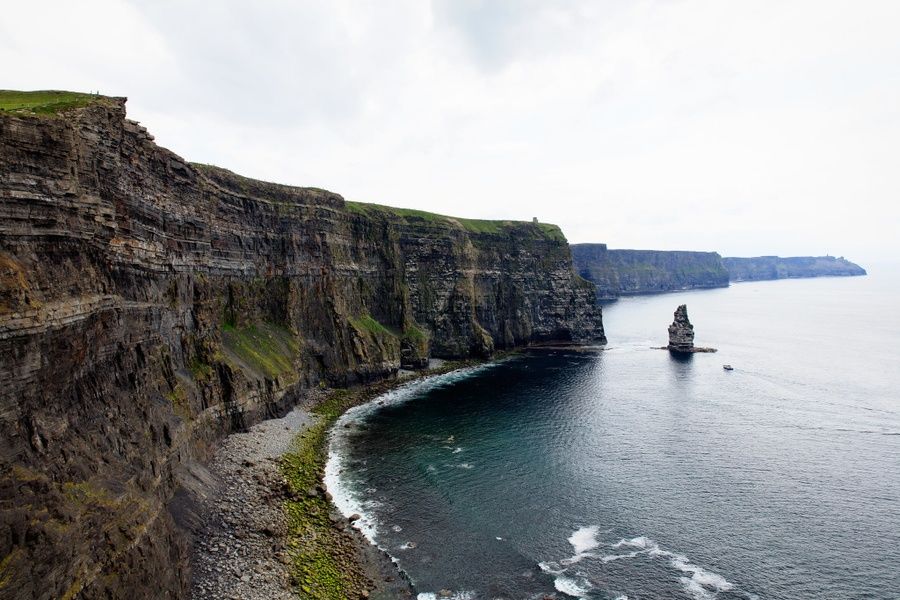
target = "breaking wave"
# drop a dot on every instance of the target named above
(697, 582)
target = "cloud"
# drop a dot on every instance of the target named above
(745, 127)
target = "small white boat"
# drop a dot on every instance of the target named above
(728, 367)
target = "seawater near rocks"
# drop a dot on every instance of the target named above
(681, 334)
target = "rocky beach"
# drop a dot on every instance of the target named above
(242, 547)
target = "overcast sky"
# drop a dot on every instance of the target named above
(752, 127)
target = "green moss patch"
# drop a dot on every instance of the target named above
(180, 402)
(323, 564)
(415, 335)
(266, 348)
(84, 493)
(369, 324)
(44, 102)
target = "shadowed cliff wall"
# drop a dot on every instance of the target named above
(149, 306)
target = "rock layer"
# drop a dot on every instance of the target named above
(681, 332)
(149, 306)
(628, 272)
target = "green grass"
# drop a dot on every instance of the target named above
(200, 370)
(267, 348)
(481, 226)
(44, 102)
(367, 323)
(414, 334)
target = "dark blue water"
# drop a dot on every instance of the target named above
(628, 473)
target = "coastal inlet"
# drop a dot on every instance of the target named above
(632, 473)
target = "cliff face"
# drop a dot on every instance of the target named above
(627, 272)
(149, 306)
(776, 267)
(593, 262)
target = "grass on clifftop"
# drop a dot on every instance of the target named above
(486, 226)
(43, 102)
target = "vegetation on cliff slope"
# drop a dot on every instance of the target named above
(267, 348)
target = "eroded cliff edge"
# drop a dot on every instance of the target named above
(149, 306)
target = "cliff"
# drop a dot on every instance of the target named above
(626, 272)
(776, 267)
(149, 306)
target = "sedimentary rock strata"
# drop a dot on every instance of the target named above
(148, 306)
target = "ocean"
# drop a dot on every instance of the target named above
(630, 473)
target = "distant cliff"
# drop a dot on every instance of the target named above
(776, 267)
(149, 306)
(628, 272)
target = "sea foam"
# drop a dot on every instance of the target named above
(584, 539)
(464, 595)
(347, 501)
(701, 585)
(577, 588)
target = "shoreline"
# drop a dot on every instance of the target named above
(265, 526)
(343, 498)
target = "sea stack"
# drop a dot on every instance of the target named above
(681, 332)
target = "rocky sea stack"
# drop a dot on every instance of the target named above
(681, 332)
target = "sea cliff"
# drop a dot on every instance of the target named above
(627, 272)
(776, 267)
(618, 273)
(149, 306)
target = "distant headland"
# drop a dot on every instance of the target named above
(618, 273)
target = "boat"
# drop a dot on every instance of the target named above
(728, 367)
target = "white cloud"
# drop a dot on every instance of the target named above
(763, 127)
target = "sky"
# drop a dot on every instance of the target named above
(745, 127)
